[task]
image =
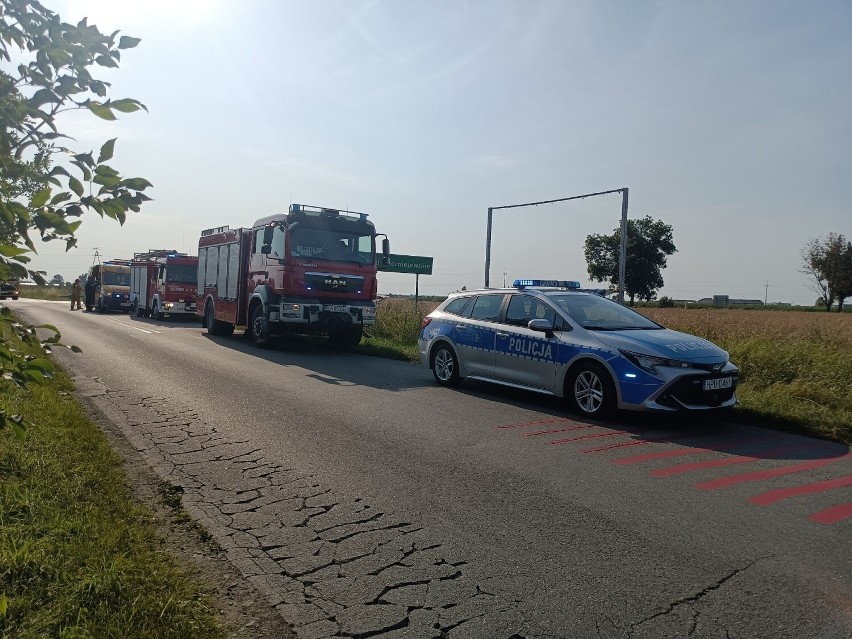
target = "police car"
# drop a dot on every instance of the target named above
(550, 336)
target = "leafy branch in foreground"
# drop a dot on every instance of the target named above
(46, 68)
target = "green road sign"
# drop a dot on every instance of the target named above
(407, 264)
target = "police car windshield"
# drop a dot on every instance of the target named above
(596, 313)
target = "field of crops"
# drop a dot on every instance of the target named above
(796, 367)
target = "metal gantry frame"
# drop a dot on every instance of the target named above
(622, 259)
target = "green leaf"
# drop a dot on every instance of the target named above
(136, 184)
(7, 250)
(101, 111)
(40, 198)
(106, 61)
(126, 42)
(4, 604)
(49, 327)
(107, 151)
(76, 186)
(42, 97)
(58, 170)
(76, 349)
(20, 430)
(44, 366)
(127, 105)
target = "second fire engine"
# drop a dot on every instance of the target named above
(162, 283)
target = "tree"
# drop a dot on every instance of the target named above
(58, 280)
(828, 264)
(46, 186)
(649, 242)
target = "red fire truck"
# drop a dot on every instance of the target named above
(310, 270)
(162, 283)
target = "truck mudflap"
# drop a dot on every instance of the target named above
(324, 314)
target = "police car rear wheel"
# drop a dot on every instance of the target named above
(445, 366)
(590, 390)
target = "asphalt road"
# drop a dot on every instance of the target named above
(364, 500)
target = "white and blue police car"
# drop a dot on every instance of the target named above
(552, 337)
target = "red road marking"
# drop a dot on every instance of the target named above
(576, 439)
(770, 497)
(635, 459)
(650, 440)
(673, 453)
(557, 430)
(542, 421)
(730, 461)
(724, 482)
(832, 515)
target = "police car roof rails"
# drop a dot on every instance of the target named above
(569, 284)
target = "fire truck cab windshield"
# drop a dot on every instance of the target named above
(182, 274)
(336, 246)
(111, 278)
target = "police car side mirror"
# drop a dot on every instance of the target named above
(541, 325)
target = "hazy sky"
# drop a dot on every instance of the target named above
(731, 121)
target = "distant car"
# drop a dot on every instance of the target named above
(548, 336)
(9, 288)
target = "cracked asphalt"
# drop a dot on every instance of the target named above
(363, 501)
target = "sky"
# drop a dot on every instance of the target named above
(728, 120)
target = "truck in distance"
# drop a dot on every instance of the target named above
(163, 282)
(311, 270)
(112, 286)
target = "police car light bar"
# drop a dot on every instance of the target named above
(554, 283)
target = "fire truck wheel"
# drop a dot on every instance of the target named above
(259, 328)
(346, 336)
(214, 326)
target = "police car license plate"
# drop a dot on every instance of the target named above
(718, 383)
(336, 308)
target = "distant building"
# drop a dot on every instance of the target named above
(724, 301)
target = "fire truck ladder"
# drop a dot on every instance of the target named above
(153, 254)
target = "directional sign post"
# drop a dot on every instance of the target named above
(417, 264)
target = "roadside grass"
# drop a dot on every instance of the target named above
(796, 367)
(397, 326)
(79, 557)
(46, 292)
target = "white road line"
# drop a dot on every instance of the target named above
(136, 328)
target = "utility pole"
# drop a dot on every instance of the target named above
(765, 292)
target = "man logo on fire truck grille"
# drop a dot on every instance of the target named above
(335, 283)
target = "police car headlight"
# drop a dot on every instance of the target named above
(649, 363)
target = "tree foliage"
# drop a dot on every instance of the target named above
(45, 184)
(828, 265)
(649, 242)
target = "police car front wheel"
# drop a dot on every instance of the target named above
(590, 390)
(445, 366)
